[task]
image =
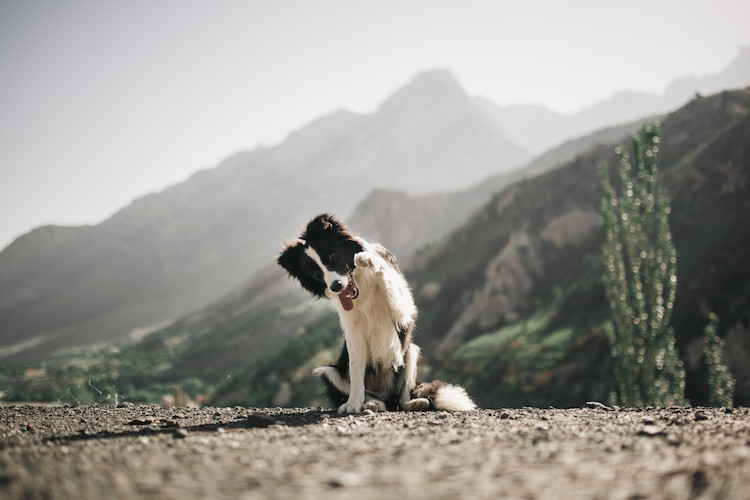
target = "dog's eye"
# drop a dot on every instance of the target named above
(317, 274)
(331, 258)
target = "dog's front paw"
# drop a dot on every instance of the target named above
(417, 404)
(350, 407)
(363, 259)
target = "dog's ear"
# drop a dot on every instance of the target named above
(324, 225)
(301, 267)
(290, 258)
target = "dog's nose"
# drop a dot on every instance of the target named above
(336, 286)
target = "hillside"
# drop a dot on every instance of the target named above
(170, 253)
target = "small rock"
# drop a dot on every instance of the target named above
(141, 421)
(598, 405)
(258, 420)
(673, 440)
(346, 479)
(180, 433)
(650, 430)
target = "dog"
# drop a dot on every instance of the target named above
(377, 368)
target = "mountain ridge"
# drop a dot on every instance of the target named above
(537, 128)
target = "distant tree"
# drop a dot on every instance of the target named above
(720, 381)
(640, 279)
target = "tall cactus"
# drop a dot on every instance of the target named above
(640, 279)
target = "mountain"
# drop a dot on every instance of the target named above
(537, 128)
(170, 253)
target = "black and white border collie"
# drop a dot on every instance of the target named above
(377, 369)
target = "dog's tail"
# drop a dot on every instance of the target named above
(444, 396)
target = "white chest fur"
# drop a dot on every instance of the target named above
(383, 306)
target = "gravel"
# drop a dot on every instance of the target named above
(128, 451)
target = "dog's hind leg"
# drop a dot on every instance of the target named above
(333, 377)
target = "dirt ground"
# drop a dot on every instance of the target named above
(129, 451)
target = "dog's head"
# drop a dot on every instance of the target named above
(322, 259)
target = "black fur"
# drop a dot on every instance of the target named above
(332, 241)
(302, 267)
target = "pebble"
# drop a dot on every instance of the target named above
(258, 420)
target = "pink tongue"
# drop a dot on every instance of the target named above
(348, 295)
(346, 302)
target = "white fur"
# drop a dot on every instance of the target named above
(385, 302)
(453, 398)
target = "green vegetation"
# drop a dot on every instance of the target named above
(640, 280)
(284, 376)
(186, 360)
(720, 381)
(527, 363)
(102, 377)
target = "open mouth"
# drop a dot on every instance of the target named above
(349, 293)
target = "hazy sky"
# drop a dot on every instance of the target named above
(104, 101)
